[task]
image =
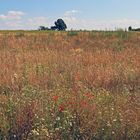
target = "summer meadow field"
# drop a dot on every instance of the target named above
(73, 85)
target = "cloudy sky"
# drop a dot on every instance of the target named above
(78, 14)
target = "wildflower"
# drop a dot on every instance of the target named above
(61, 108)
(55, 98)
(89, 95)
(58, 118)
(35, 132)
(112, 108)
(84, 103)
(113, 132)
(114, 120)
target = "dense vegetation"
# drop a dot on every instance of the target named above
(69, 85)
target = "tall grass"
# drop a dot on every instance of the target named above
(75, 85)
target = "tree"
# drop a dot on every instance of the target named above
(53, 28)
(60, 25)
(42, 28)
(129, 28)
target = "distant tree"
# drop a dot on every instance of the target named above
(53, 28)
(60, 24)
(129, 28)
(48, 28)
(137, 29)
(42, 28)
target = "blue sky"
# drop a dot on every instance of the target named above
(78, 14)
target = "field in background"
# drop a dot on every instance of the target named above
(74, 85)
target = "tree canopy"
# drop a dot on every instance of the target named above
(60, 25)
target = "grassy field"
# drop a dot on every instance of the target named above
(73, 85)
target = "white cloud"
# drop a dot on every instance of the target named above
(35, 22)
(70, 13)
(70, 17)
(15, 20)
(11, 20)
(70, 20)
(12, 15)
(73, 21)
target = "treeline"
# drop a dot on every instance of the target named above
(131, 29)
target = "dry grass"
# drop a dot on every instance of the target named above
(69, 85)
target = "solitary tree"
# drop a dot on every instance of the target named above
(59, 25)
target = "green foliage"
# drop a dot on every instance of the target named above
(60, 25)
(72, 33)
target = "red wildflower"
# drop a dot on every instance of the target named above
(84, 103)
(61, 108)
(55, 98)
